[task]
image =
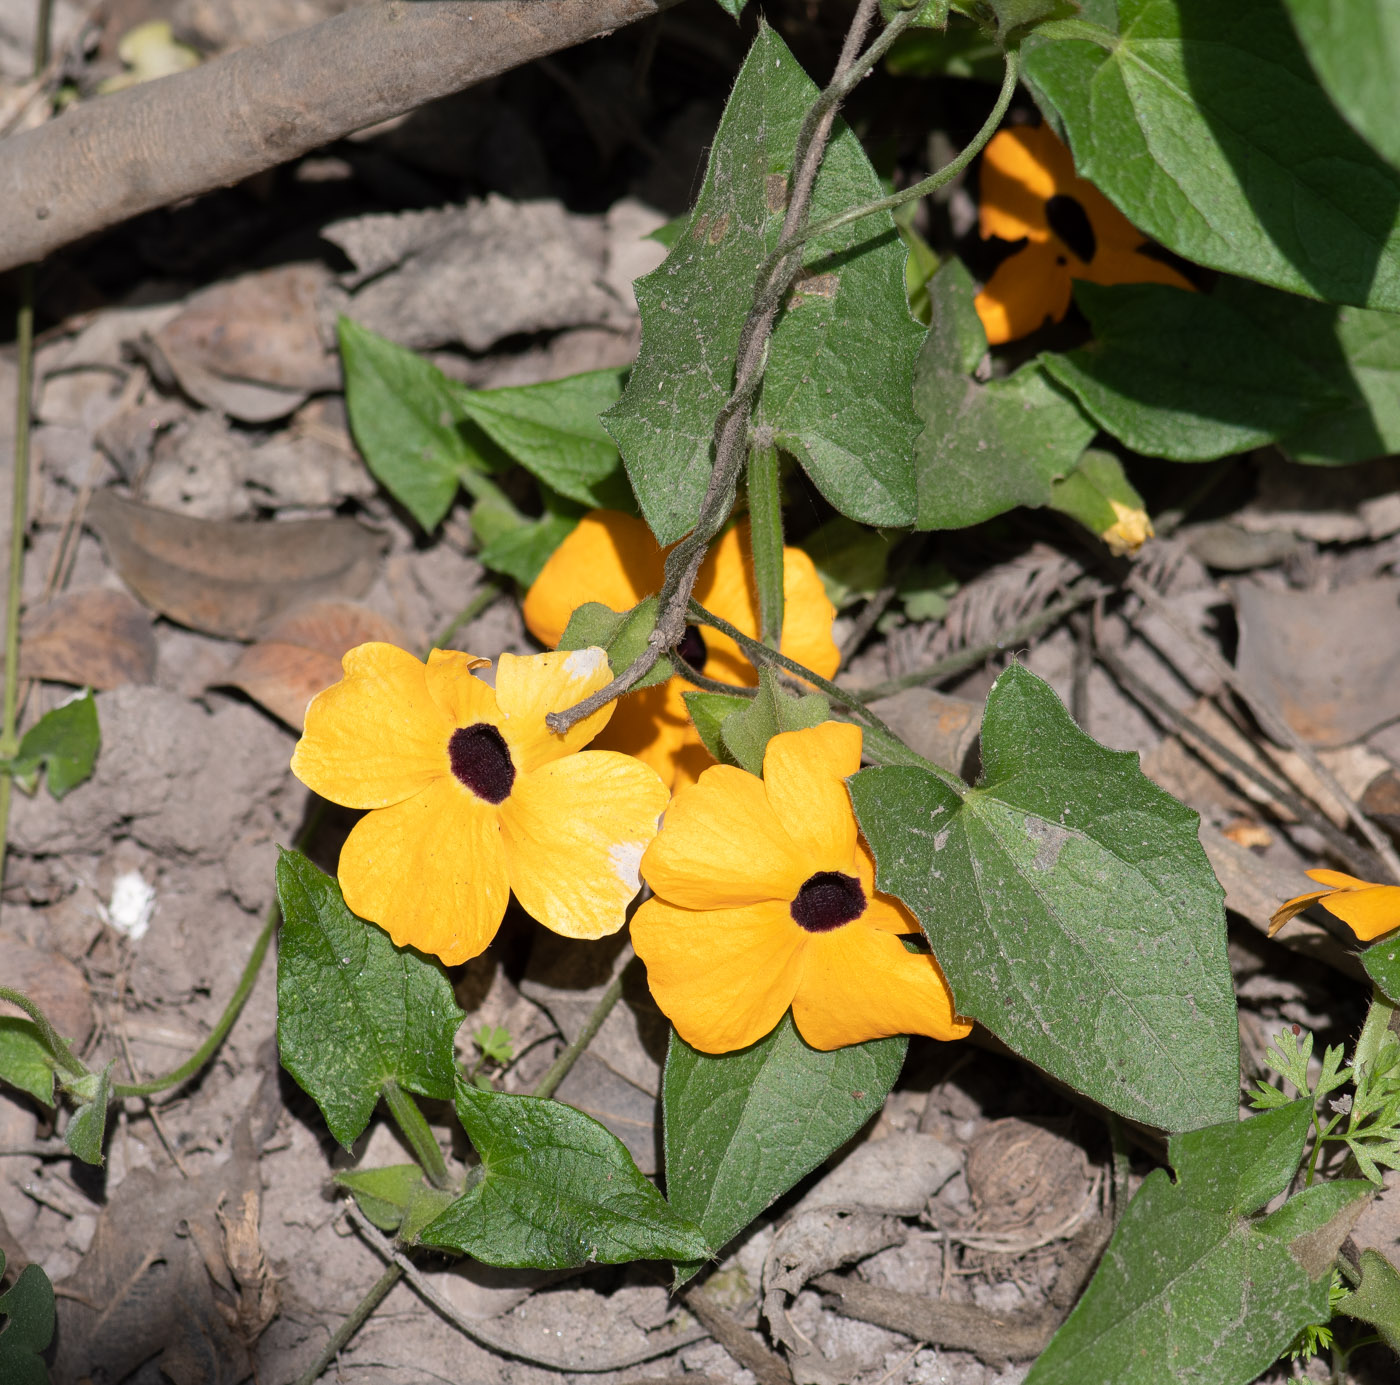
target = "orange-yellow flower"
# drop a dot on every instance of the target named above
(1366, 908)
(1030, 192)
(765, 898)
(613, 558)
(472, 796)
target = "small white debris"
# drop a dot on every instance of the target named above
(584, 663)
(133, 903)
(626, 860)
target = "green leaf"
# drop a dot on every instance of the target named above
(963, 51)
(555, 1189)
(746, 734)
(1376, 1300)
(1071, 908)
(520, 548)
(1355, 51)
(65, 740)
(552, 430)
(28, 1312)
(986, 448)
(933, 14)
(87, 1128)
(623, 634)
(840, 363)
(741, 1128)
(1088, 494)
(25, 1061)
(1186, 376)
(851, 559)
(1382, 963)
(407, 422)
(709, 711)
(925, 590)
(397, 1199)
(1192, 1287)
(1207, 128)
(353, 1010)
(732, 7)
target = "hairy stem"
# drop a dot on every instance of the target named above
(351, 1325)
(766, 541)
(56, 1044)
(732, 425)
(559, 1069)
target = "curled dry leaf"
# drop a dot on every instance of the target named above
(98, 638)
(300, 654)
(228, 577)
(252, 347)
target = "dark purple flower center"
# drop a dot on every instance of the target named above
(1070, 222)
(692, 648)
(827, 900)
(481, 760)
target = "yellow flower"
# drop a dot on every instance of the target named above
(1366, 908)
(1030, 192)
(472, 796)
(613, 558)
(765, 898)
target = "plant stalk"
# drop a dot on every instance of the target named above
(417, 1132)
(559, 1069)
(351, 1325)
(766, 541)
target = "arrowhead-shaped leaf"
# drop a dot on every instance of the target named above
(1205, 124)
(838, 387)
(26, 1326)
(985, 448)
(25, 1061)
(1193, 1288)
(742, 1128)
(64, 741)
(353, 1010)
(1071, 908)
(555, 1189)
(87, 1127)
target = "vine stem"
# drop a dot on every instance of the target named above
(19, 517)
(732, 425)
(352, 1324)
(559, 1069)
(415, 1129)
(766, 539)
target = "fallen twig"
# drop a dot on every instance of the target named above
(741, 1344)
(112, 158)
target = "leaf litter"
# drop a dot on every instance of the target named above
(165, 417)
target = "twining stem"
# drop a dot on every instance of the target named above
(882, 745)
(766, 540)
(351, 1325)
(559, 1069)
(417, 1132)
(732, 425)
(480, 601)
(53, 1040)
(19, 517)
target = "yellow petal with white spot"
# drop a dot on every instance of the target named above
(574, 831)
(430, 871)
(376, 737)
(723, 977)
(529, 688)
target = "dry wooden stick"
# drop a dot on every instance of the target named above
(112, 158)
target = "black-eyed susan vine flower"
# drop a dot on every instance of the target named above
(473, 796)
(1366, 908)
(613, 558)
(765, 898)
(1030, 191)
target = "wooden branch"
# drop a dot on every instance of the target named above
(114, 157)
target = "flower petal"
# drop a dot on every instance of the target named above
(1114, 265)
(429, 871)
(655, 726)
(530, 687)
(376, 737)
(1027, 290)
(860, 983)
(807, 616)
(722, 846)
(610, 557)
(723, 977)
(804, 773)
(461, 697)
(1368, 913)
(574, 831)
(1291, 908)
(1021, 169)
(1336, 880)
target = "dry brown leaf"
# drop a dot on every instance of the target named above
(96, 638)
(228, 577)
(301, 655)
